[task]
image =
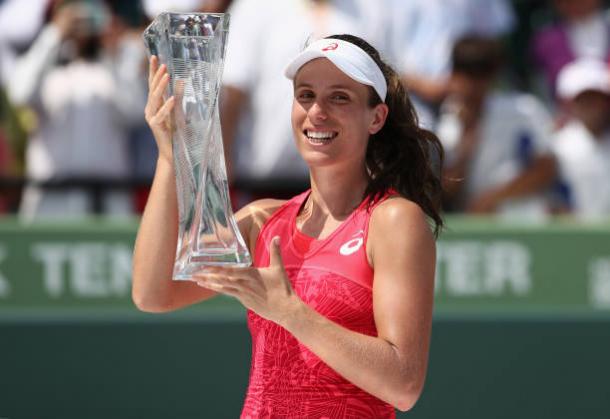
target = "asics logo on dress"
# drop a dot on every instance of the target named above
(351, 246)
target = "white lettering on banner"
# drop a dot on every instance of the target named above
(461, 262)
(88, 270)
(473, 268)
(87, 262)
(508, 265)
(599, 282)
(5, 286)
(53, 257)
(120, 274)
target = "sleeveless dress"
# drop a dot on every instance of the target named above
(334, 278)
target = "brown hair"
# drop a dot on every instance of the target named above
(402, 156)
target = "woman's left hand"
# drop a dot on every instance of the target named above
(266, 291)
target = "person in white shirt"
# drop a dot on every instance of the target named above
(19, 24)
(84, 107)
(582, 146)
(422, 35)
(496, 143)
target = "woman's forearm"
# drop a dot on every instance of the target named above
(371, 363)
(155, 249)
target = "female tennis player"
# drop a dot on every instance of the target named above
(340, 293)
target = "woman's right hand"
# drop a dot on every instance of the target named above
(158, 111)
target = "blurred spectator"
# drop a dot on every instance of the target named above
(12, 141)
(20, 21)
(84, 108)
(581, 31)
(423, 33)
(256, 98)
(497, 151)
(6, 157)
(582, 146)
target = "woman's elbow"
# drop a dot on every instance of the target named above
(146, 302)
(407, 395)
(405, 404)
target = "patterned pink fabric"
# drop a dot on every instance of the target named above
(333, 277)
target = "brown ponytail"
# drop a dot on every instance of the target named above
(402, 156)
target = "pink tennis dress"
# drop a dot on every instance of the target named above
(333, 277)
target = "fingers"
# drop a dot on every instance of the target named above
(222, 289)
(153, 66)
(155, 71)
(158, 77)
(159, 89)
(228, 271)
(237, 277)
(155, 99)
(165, 110)
(221, 283)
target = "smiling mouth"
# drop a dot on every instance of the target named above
(320, 137)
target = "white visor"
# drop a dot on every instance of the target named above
(348, 58)
(582, 75)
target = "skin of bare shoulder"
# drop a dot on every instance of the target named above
(252, 216)
(393, 218)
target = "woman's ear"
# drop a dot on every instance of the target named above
(379, 116)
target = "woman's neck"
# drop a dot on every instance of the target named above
(336, 193)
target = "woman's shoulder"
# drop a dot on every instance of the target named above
(254, 215)
(399, 230)
(397, 215)
(261, 210)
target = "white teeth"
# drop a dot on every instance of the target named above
(320, 134)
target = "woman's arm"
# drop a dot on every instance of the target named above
(391, 366)
(153, 289)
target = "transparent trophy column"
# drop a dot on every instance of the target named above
(192, 46)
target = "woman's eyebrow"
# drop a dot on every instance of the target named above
(298, 85)
(334, 86)
(339, 86)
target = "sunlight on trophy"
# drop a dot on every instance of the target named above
(192, 46)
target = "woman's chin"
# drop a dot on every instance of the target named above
(316, 158)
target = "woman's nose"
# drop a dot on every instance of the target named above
(317, 112)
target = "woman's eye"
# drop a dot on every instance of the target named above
(305, 95)
(340, 97)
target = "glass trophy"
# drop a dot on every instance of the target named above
(192, 46)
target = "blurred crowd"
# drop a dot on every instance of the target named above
(518, 92)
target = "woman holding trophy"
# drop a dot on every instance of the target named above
(340, 293)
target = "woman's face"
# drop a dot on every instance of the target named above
(331, 116)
